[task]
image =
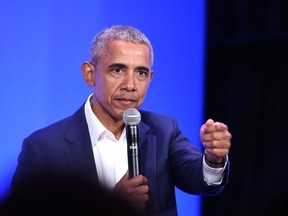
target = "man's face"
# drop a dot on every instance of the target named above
(121, 79)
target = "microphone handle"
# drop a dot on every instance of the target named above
(133, 150)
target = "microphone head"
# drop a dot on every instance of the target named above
(131, 116)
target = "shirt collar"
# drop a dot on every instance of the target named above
(96, 129)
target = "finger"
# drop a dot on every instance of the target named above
(218, 144)
(209, 122)
(222, 135)
(217, 152)
(213, 136)
(141, 197)
(140, 190)
(217, 126)
(138, 180)
(221, 126)
(203, 128)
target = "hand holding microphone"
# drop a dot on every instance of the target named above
(133, 186)
(131, 118)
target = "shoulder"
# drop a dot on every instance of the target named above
(61, 127)
(152, 116)
(158, 120)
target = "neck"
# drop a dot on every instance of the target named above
(114, 126)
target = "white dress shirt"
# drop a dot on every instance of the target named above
(111, 155)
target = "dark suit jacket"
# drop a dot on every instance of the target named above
(168, 159)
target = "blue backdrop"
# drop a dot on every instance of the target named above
(42, 46)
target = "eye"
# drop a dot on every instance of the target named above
(117, 69)
(142, 73)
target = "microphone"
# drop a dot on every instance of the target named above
(131, 118)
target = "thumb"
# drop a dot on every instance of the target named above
(209, 122)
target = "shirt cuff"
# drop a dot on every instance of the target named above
(213, 176)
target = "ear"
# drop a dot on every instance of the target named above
(87, 73)
(151, 75)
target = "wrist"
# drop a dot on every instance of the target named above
(214, 164)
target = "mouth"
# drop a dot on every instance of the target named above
(126, 102)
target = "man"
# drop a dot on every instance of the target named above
(91, 144)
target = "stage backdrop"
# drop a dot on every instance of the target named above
(42, 46)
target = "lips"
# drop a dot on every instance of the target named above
(126, 101)
(125, 98)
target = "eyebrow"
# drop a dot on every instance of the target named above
(142, 68)
(119, 65)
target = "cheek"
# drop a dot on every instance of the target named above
(143, 91)
(106, 89)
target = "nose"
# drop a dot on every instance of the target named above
(129, 82)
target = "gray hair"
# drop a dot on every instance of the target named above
(117, 32)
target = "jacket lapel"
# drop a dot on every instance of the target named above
(148, 163)
(79, 153)
(147, 152)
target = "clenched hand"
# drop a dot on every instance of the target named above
(216, 140)
(134, 190)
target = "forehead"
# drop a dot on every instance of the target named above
(127, 51)
(119, 45)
